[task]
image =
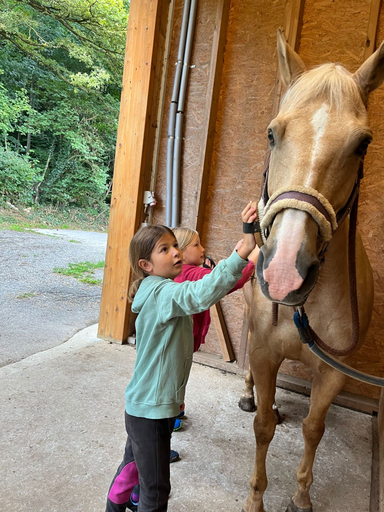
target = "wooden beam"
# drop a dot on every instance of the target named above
(222, 333)
(210, 112)
(205, 158)
(373, 23)
(143, 68)
(293, 22)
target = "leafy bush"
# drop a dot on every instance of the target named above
(18, 176)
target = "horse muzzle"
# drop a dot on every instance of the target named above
(287, 289)
(288, 264)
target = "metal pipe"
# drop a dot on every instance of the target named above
(176, 170)
(187, 56)
(170, 152)
(180, 117)
(156, 150)
(173, 110)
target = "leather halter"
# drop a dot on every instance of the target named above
(303, 197)
(350, 208)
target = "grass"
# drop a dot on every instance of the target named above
(53, 217)
(83, 271)
(25, 295)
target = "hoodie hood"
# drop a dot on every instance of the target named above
(148, 286)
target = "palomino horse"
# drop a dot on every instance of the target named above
(318, 141)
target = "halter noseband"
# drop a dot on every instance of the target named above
(306, 199)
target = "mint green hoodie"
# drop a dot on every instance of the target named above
(164, 336)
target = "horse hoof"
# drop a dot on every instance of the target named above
(247, 404)
(293, 508)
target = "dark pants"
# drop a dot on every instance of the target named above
(148, 449)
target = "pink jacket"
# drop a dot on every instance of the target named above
(202, 321)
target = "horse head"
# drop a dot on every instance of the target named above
(317, 141)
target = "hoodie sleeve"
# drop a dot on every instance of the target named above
(247, 272)
(191, 297)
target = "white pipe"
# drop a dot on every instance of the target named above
(180, 117)
(172, 113)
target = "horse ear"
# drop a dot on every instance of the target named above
(290, 64)
(370, 75)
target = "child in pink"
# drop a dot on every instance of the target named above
(193, 259)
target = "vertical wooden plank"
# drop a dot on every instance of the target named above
(381, 451)
(293, 22)
(211, 105)
(205, 158)
(134, 155)
(373, 23)
(222, 333)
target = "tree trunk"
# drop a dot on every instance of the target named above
(31, 102)
(44, 173)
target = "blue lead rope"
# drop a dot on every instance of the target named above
(302, 324)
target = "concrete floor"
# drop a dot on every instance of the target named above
(62, 437)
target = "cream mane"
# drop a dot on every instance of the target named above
(329, 81)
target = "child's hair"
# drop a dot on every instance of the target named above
(185, 236)
(141, 247)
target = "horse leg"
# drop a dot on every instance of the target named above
(247, 399)
(325, 388)
(264, 373)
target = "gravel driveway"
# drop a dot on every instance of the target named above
(40, 309)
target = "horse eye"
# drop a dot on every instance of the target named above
(362, 149)
(271, 138)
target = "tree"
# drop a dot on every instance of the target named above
(62, 65)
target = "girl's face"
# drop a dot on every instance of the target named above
(193, 254)
(166, 258)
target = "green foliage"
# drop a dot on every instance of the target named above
(61, 64)
(83, 271)
(17, 176)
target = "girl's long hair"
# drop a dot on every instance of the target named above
(141, 248)
(185, 236)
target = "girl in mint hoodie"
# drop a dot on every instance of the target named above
(164, 344)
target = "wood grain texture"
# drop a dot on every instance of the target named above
(333, 30)
(134, 154)
(373, 23)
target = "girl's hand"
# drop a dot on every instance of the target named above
(249, 243)
(254, 255)
(249, 213)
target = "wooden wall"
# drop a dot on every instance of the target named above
(333, 30)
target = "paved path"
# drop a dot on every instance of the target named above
(62, 431)
(39, 308)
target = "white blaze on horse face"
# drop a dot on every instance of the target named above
(282, 275)
(319, 123)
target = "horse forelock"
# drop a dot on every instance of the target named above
(330, 82)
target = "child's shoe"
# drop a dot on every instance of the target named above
(132, 505)
(178, 425)
(181, 414)
(174, 456)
